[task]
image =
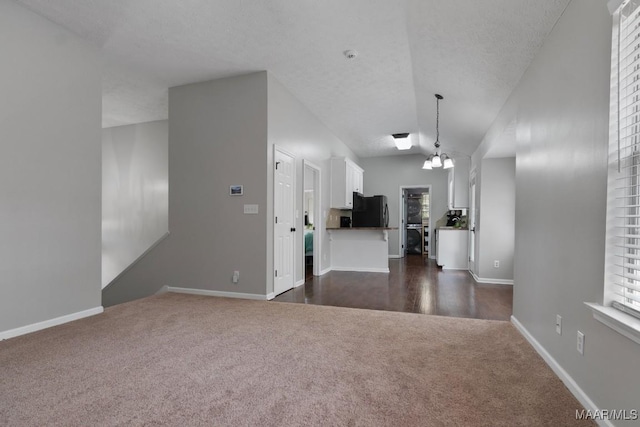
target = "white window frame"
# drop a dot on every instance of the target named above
(623, 186)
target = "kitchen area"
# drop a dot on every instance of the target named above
(358, 226)
(396, 221)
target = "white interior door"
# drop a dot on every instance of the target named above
(284, 228)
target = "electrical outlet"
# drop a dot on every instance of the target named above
(236, 276)
(580, 345)
(496, 264)
(559, 324)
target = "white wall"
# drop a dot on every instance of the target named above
(217, 137)
(385, 175)
(495, 225)
(49, 170)
(562, 109)
(294, 128)
(135, 193)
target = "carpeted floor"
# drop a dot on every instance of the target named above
(184, 360)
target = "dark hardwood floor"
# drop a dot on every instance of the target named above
(415, 285)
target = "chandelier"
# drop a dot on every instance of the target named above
(439, 159)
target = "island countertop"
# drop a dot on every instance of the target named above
(360, 248)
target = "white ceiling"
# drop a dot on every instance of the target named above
(473, 52)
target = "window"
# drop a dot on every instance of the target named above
(621, 305)
(624, 283)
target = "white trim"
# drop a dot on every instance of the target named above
(325, 271)
(569, 382)
(489, 280)
(620, 322)
(613, 5)
(211, 293)
(162, 290)
(317, 215)
(270, 296)
(299, 283)
(395, 257)
(361, 270)
(402, 215)
(49, 323)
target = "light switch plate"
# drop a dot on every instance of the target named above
(251, 209)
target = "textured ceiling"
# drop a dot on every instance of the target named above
(473, 52)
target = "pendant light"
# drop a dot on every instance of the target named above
(439, 159)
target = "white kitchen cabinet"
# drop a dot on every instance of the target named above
(346, 178)
(452, 248)
(459, 184)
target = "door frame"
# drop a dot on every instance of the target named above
(281, 150)
(402, 215)
(474, 211)
(317, 218)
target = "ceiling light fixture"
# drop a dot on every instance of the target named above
(402, 140)
(439, 159)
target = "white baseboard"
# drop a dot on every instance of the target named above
(299, 283)
(361, 270)
(210, 293)
(49, 323)
(271, 295)
(325, 271)
(494, 281)
(162, 290)
(573, 387)
(394, 257)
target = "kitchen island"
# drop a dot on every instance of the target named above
(360, 248)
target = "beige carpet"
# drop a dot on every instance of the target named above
(184, 360)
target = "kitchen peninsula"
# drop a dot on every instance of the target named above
(360, 248)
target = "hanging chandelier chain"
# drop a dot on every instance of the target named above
(438, 98)
(437, 122)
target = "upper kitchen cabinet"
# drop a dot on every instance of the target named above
(459, 183)
(346, 178)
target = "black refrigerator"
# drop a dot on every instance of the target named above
(370, 211)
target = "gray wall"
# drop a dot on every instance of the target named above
(49, 170)
(562, 109)
(385, 175)
(294, 128)
(223, 132)
(217, 137)
(135, 193)
(495, 229)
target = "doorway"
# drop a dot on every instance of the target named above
(284, 227)
(415, 221)
(311, 222)
(472, 225)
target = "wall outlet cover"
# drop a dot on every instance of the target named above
(580, 344)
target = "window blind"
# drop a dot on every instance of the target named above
(623, 281)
